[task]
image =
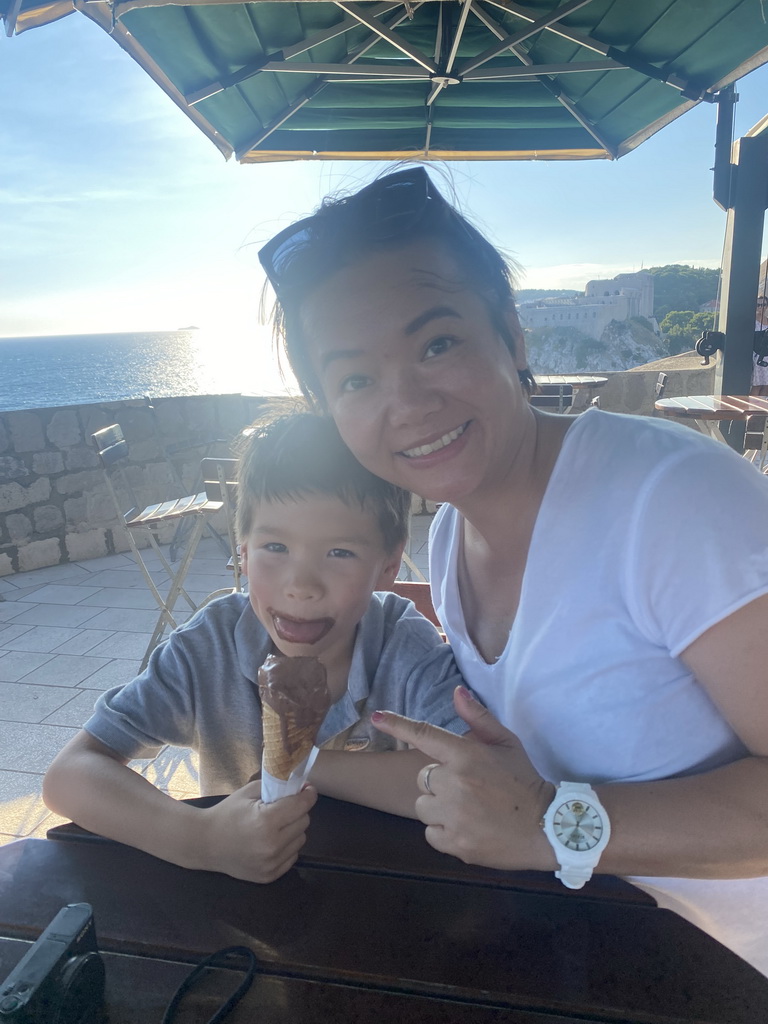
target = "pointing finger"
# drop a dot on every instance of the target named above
(429, 739)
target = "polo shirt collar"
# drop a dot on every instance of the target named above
(253, 644)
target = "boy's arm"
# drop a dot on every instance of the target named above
(422, 679)
(92, 784)
(385, 781)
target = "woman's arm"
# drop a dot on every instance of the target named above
(713, 825)
(240, 836)
(489, 799)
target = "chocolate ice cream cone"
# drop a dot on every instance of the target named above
(280, 758)
(294, 702)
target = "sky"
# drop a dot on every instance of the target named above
(117, 214)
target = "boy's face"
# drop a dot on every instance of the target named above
(312, 565)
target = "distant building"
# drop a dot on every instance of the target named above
(713, 306)
(619, 298)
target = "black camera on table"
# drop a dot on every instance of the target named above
(60, 980)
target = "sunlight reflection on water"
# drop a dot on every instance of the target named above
(53, 371)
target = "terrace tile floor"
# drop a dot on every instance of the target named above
(69, 632)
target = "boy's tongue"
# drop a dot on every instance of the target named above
(301, 631)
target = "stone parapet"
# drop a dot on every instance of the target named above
(634, 391)
(54, 505)
(55, 508)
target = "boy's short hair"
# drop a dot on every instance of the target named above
(300, 454)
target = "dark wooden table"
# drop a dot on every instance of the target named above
(375, 925)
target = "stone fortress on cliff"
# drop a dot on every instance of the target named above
(619, 298)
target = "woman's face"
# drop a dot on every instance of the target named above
(420, 384)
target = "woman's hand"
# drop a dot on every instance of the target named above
(248, 839)
(482, 800)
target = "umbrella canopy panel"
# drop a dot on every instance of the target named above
(440, 79)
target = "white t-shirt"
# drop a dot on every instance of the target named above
(648, 534)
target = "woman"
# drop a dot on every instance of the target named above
(603, 579)
(759, 362)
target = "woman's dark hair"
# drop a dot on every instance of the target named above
(301, 454)
(390, 212)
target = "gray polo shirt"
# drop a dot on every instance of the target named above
(200, 689)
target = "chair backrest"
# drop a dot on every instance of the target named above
(554, 397)
(220, 483)
(661, 384)
(756, 433)
(219, 478)
(420, 594)
(110, 444)
(112, 449)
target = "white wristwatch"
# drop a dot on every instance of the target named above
(577, 826)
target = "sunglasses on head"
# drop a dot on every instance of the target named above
(382, 210)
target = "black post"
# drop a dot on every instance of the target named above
(721, 182)
(741, 270)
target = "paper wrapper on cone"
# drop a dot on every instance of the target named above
(294, 702)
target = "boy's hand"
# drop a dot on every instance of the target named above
(257, 842)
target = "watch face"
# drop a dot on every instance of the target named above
(577, 825)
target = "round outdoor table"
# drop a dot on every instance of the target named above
(576, 380)
(708, 410)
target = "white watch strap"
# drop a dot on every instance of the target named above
(573, 877)
(580, 787)
(576, 875)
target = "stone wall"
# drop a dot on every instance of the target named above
(54, 504)
(55, 507)
(633, 391)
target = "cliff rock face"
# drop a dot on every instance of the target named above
(622, 345)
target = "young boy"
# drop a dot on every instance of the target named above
(321, 540)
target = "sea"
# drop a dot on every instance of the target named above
(42, 372)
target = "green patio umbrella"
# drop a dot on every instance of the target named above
(429, 79)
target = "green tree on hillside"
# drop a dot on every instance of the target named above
(701, 322)
(678, 286)
(682, 329)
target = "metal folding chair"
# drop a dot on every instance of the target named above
(413, 571)
(220, 482)
(113, 453)
(659, 388)
(756, 442)
(184, 450)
